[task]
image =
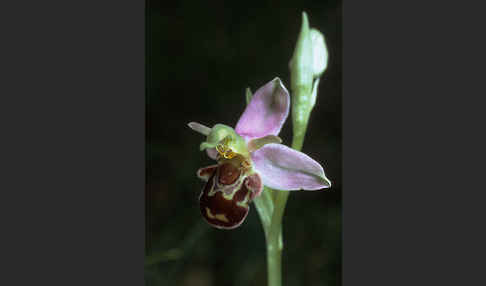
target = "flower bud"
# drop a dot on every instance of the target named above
(308, 63)
(310, 56)
(319, 53)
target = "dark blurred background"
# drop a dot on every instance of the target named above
(200, 57)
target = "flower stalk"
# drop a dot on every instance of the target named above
(306, 66)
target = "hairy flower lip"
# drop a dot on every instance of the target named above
(220, 212)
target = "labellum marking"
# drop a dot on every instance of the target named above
(245, 202)
(220, 217)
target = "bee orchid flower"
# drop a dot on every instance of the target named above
(250, 156)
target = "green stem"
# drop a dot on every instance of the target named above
(274, 241)
(274, 262)
(301, 70)
(274, 235)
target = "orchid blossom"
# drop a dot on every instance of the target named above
(250, 156)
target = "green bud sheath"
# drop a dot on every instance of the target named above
(308, 62)
(301, 70)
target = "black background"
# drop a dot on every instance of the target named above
(200, 59)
